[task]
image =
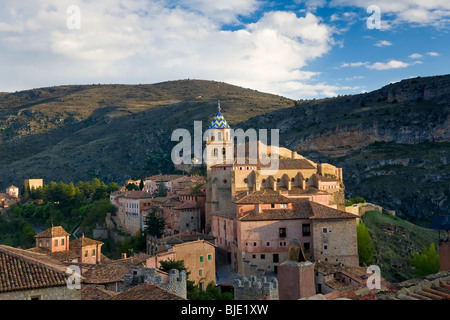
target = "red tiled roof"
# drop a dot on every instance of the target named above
(146, 291)
(263, 197)
(93, 292)
(324, 212)
(83, 242)
(57, 231)
(18, 272)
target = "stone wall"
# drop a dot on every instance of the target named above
(252, 289)
(175, 282)
(53, 293)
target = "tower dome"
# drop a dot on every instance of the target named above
(219, 121)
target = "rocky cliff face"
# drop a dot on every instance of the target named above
(393, 143)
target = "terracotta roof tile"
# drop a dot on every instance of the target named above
(263, 197)
(83, 241)
(19, 272)
(146, 291)
(57, 231)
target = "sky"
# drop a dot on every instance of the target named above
(297, 49)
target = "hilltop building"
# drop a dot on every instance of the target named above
(255, 211)
(13, 191)
(34, 183)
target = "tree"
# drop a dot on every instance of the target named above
(154, 225)
(366, 247)
(425, 263)
(161, 190)
(131, 187)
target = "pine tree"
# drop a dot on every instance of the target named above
(427, 262)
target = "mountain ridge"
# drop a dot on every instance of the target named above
(116, 132)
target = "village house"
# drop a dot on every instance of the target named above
(13, 191)
(155, 245)
(130, 207)
(197, 256)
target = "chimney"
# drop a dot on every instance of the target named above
(124, 255)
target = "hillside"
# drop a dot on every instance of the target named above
(393, 143)
(113, 132)
(395, 240)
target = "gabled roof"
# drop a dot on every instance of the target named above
(111, 272)
(83, 242)
(20, 272)
(52, 232)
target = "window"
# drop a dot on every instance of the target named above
(62, 241)
(275, 257)
(253, 256)
(254, 244)
(272, 205)
(306, 230)
(306, 245)
(56, 242)
(263, 256)
(210, 256)
(200, 272)
(93, 252)
(324, 230)
(268, 244)
(47, 243)
(225, 181)
(282, 232)
(223, 151)
(85, 253)
(201, 258)
(40, 243)
(283, 205)
(325, 247)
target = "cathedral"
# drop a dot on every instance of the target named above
(254, 213)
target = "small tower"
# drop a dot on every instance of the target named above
(53, 239)
(219, 142)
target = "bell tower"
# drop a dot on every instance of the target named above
(219, 142)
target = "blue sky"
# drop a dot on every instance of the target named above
(297, 49)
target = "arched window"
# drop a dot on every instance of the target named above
(215, 151)
(223, 151)
(220, 136)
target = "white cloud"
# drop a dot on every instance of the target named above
(433, 54)
(392, 64)
(140, 41)
(431, 12)
(383, 43)
(415, 56)
(354, 64)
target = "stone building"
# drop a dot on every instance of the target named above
(198, 257)
(27, 275)
(130, 207)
